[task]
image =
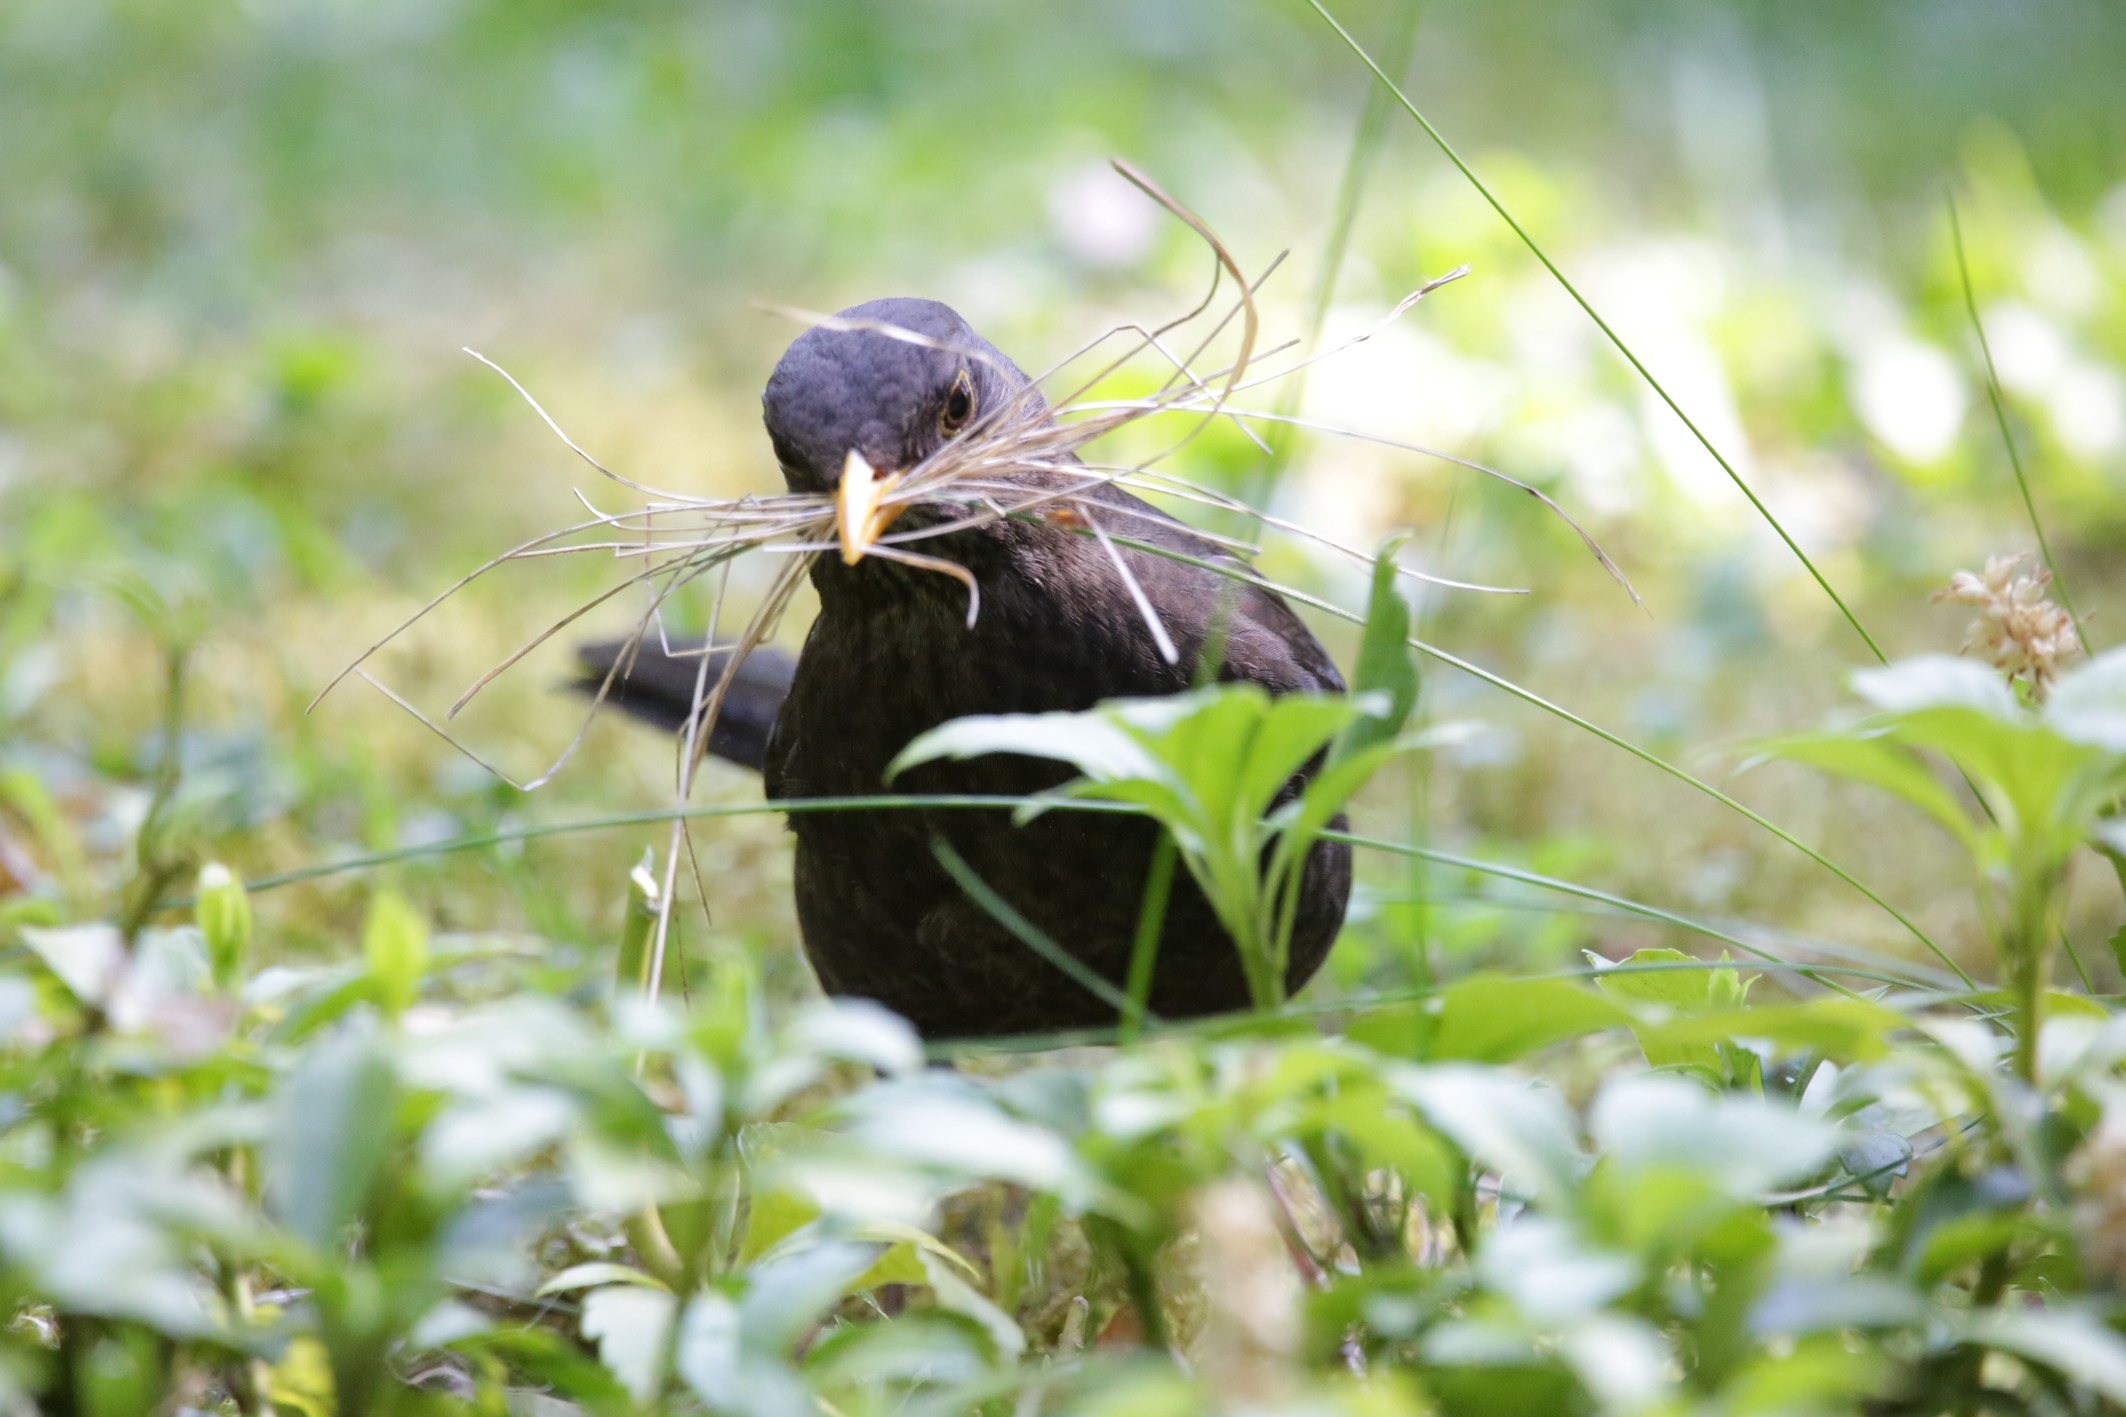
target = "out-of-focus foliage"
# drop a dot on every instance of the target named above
(400, 1135)
(309, 1189)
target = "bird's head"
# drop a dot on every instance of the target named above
(848, 409)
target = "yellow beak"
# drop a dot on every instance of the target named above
(857, 514)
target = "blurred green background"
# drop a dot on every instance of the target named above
(241, 245)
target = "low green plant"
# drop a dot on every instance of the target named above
(1212, 767)
(2044, 783)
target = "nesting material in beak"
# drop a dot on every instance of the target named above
(857, 513)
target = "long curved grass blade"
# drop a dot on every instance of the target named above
(2000, 418)
(1248, 576)
(1624, 349)
(1650, 912)
(1725, 932)
(949, 1049)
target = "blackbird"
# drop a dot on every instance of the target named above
(891, 654)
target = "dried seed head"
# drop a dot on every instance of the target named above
(2024, 635)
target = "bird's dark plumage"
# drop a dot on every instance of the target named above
(891, 655)
(659, 688)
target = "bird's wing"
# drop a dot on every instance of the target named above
(1266, 643)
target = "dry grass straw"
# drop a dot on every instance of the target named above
(680, 539)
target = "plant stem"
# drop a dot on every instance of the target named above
(2026, 949)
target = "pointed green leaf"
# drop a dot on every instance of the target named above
(1094, 743)
(331, 1132)
(2088, 704)
(1385, 663)
(1937, 681)
(1491, 1018)
(1871, 757)
(630, 1325)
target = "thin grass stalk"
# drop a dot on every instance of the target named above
(914, 801)
(1622, 348)
(1028, 933)
(1218, 1026)
(1151, 924)
(1529, 696)
(2000, 419)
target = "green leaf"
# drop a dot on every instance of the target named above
(1491, 1018)
(1385, 663)
(1742, 1143)
(1332, 787)
(1654, 994)
(771, 1216)
(2088, 704)
(555, 1363)
(1293, 728)
(786, 1295)
(1871, 757)
(915, 1242)
(1961, 1240)
(2078, 1344)
(1096, 743)
(897, 1264)
(1511, 1126)
(1819, 1374)
(1399, 1030)
(631, 1324)
(331, 1133)
(591, 1276)
(475, 1136)
(88, 959)
(395, 946)
(957, 1295)
(1937, 681)
(2022, 768)
(1844, 1030)
(1386, 1137)
(729, 1368)
(1207, 765)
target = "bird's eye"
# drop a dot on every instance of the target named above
(959, 406)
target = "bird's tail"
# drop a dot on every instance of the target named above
(658, 687)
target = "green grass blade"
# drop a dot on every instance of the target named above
(1877, 966)
(661, 816)
(1617, 902)
(2000, 418)
(1603, 325)
(1530, 697)
(616, 821)
(1028, 933)
(948, 1049)
(1151, 922)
